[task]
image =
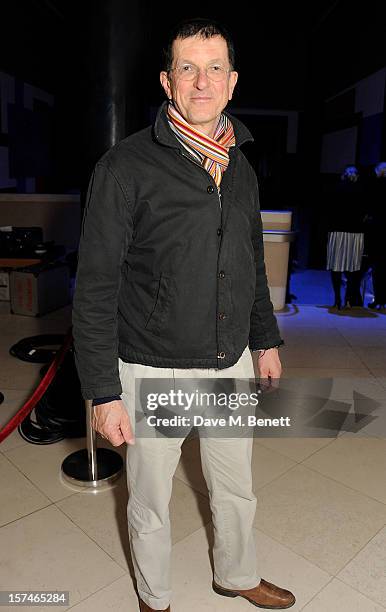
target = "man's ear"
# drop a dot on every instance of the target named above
(165, 83)
(233, 77)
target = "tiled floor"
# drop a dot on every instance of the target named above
(320, 525)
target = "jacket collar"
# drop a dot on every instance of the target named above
(163, 134)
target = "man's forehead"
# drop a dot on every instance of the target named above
(198, 45)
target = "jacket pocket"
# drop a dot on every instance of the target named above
(158, 316)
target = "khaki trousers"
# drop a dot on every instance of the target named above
(226, 465)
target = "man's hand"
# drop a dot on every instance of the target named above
(267, 367)
(112, 422)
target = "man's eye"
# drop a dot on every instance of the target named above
(187, 68)
(215, 68)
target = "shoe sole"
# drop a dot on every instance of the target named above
(224, 593)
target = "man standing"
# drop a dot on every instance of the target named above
(171, 282)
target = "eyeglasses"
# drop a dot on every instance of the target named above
(189, 72)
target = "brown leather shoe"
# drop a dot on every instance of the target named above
(264, 595)
(145, 608)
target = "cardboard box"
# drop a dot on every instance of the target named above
(4, 285)
(6, 267)
(36, 290)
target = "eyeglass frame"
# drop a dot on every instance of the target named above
(199, 72)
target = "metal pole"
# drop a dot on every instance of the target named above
(92, 467)
(91, 443)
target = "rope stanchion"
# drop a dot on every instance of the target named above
(42, 387)
(92, 467)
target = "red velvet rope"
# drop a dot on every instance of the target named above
(42, 387)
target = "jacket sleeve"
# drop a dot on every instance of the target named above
(264, 332)
(106, 235)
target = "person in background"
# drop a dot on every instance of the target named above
(377, 236)
(346, 239)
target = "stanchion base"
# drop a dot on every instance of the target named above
(75, 468)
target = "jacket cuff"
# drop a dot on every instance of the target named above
(90, 393)
(105, 400)
(258, 346)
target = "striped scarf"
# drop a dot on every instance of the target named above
(212, 153)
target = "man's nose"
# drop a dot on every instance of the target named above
(202, 79)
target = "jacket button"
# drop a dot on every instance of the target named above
(219, 231)
(210, 189)
(221, 355)
(222, 316)
(221, 274)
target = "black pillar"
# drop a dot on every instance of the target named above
(110, 92)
